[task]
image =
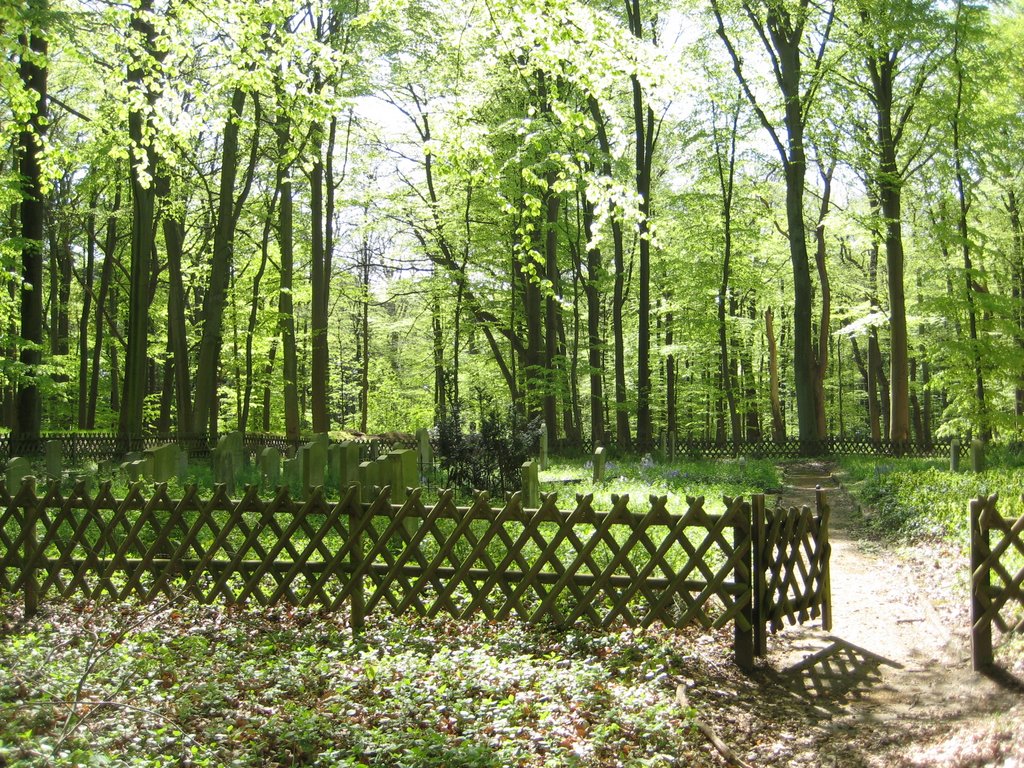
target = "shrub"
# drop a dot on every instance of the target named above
(488, 459)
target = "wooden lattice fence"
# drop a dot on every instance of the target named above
(791, 563)
(997, 587)
(601, 567)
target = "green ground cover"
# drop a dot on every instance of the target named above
(120, 685)
(126, 684)
(910, 500)
(712, 479)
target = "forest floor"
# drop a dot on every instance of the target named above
(890, 685)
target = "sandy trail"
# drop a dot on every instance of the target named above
(891, 683)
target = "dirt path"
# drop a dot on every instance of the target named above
(891, 684)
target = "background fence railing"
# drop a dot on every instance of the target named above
(105, 446)
(604, 567)
(997, 587)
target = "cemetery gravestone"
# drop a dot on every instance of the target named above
(599, 465)
(977, 455)
(164, 461)
(425, 450)
(348, 471)
(402, 474)
(181, 469)
(18, 468)
(317, 457)
(270, 467)
(367, 475)
(290, 472)
(954, 455)
(334, 464)
(54, 451)
(226, 472)
(543, 446)
(531, 485)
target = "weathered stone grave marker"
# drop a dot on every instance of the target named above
(290, 472)
(164, 461)
(270, 467)
(367, 475)
(54, 450)
(403, 473)
(531, 485)
(18, 468)
(977, 455)
(599, 465)
(425, 451)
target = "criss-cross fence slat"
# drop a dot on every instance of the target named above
(544, 564)
(791, 566)
(997, 592)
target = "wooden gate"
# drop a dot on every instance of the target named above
(791, 567)
(1002, 603)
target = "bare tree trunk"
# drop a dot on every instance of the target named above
(130, 423)
(286, 326)
(778, 419)
(208, 365)
(32, 70)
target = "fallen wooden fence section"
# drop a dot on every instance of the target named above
(752, 567)
(1000, 604)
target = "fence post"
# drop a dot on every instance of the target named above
(981, 631)
(757, 574)
(743, 639)
(825, 553)
(29, 521)
(357, 515)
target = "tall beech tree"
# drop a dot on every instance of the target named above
(793, 35)
(33, 72)
(899, 43)
(142, 79)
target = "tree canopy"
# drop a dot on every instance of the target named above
(728, 220)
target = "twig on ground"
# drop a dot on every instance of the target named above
(710, 734)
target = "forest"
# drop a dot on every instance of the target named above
(729, 220)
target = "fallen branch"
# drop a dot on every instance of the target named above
(710, 734)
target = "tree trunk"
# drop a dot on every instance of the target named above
(320, 370)
(208, 365)
(644, 137)
(440, 385)
(88, 281)
(552, 379)
(255, 305)
(130, 423)
(32, 70)
(106, 275)
(820, 365)
(177, 338)
(1017, 272)
(778, 419)
(726, 176)
(286, 326)
(591, 288)
(982, 420)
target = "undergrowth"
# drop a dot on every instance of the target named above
(914, 499)
(640, 478)
(183, 684)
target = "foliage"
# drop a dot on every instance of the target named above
(642, 477)
(182, 684)
(491, 458)
(914, 499)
